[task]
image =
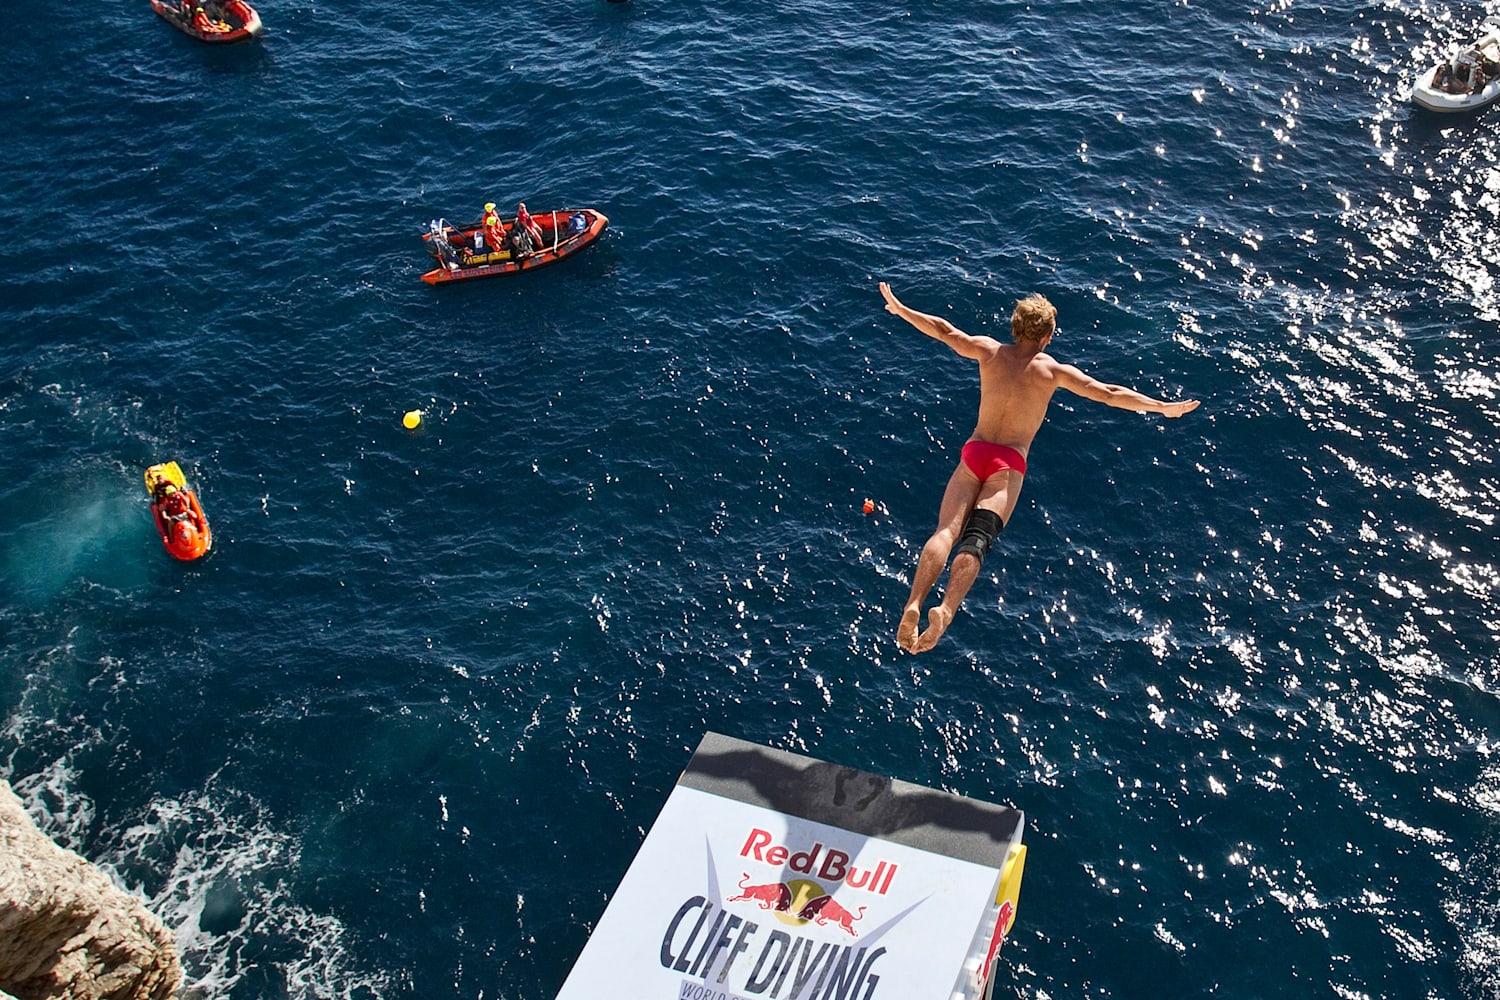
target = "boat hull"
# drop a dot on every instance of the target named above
(1433, 99)
(462, 259)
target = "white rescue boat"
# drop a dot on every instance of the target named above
(1467, 80)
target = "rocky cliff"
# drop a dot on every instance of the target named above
(67, 931)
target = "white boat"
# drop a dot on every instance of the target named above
(1467, 80)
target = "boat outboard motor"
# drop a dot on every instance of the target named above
(442, 249)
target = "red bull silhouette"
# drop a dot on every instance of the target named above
(825, 910)
(1002, 926)
(771, 895)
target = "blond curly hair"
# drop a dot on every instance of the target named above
(1034, 320)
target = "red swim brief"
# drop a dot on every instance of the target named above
(986, 459)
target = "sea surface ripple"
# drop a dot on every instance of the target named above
(401, 733)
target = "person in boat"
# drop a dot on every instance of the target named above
(1458, 76)
(525, 221)
(494, 229)
(174, 505)
(524, 240)
(1016, 383)
(1477, 76)
(202, 22)
(1468, 73)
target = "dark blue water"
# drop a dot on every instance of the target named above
(400, 734)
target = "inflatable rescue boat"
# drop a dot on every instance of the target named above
(462, 252)
(1467, 80)
(229, 21)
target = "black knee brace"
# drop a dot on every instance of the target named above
(979, 534)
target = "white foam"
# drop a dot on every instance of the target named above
(214, 867)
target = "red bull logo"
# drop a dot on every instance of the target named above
(817, 861)
(826, 910)
(1003, 921)
(771, 896)
(800, 901)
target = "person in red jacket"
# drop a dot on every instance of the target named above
(175, 505)
(526, 222)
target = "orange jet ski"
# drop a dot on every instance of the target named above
(179, 518)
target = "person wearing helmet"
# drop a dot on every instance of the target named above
(202, 22)
(494, 229)
(175, 507)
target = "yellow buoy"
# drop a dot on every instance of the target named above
(412, 419)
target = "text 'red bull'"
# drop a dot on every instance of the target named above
(819, 862)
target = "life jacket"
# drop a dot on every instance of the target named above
(494, 229)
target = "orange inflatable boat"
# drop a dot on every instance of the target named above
(462, 254)
(229, 21)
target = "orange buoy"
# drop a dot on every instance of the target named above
(869, 506)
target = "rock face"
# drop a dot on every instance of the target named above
(66, 931)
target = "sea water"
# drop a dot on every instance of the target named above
(401, 732)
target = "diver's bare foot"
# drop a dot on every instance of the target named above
(906, 632)
(938, 620)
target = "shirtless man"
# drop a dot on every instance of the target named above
(1016, 382)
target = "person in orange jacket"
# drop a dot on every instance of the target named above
(202, 23)
(494, 229)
